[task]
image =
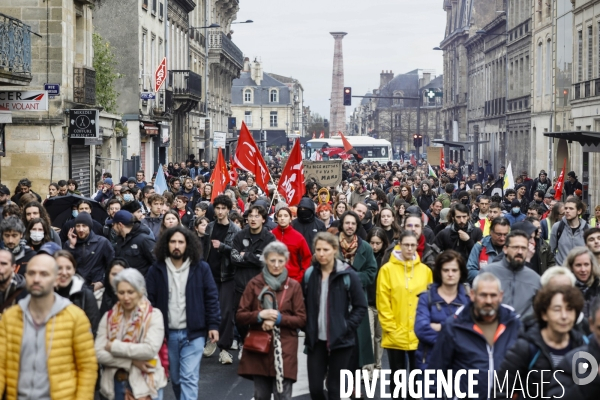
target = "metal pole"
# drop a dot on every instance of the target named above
(206, 42)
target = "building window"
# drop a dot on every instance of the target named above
(538, 81)
(273, 96)
(160, 11)
(145, 4)
(247, 96)
(273, 119)
(590, 53)
(398, 102)
(579, 56)
(144, 48)
(248, 118)
(154, 7)
(548, 67)
(397, 120)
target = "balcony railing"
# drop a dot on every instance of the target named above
(15, 51)
(217, 40)
(84, 86)
(585, 89)
(186, 83)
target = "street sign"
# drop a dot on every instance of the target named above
(53, 89)
(147, 96)
(36, 100)
(160, 74)
(219, 139)
(84, 124)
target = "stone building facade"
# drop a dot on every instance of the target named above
(37, 142)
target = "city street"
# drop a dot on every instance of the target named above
(222, 381)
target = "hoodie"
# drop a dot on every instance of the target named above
(306, 223)
(33, 376)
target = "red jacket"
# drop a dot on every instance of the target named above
(300, 255)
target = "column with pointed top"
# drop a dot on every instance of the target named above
(337, 111)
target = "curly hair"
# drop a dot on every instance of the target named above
(193, 247)
(543, 299)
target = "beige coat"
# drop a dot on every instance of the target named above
(122, 354)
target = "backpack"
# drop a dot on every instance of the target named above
(536, 351)
(561, 228)
(445, 199)
(310, 270)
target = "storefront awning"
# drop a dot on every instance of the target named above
(5, 116)
(150, 129)
(450, 143)
(587, 138)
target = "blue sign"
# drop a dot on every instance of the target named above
(148, 95)
(53, 89)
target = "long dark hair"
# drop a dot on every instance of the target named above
(47, 234)
(380, 233)
(193, 248)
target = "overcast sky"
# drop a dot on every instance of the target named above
(292, 38)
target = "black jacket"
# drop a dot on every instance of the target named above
(341, 322)
(570, 188)
(137, 248)
(201, 298)
(64, 231)
(563, 385)
(448, 239)
(308, 227)
(248, 265)
(227, 269)
(84, 298)
(92, 256)
(22, 257)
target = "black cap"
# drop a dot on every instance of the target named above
(4, 189)
(515, 203)
(131, 180)
(572, 174)
(124, 217)
(524, 226)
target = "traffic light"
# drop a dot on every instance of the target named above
(418, 141)
(347, 96)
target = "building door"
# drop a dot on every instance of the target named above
(80, 168)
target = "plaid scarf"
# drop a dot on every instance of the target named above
(349, 247)
(134, 331)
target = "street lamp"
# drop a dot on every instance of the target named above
(243, 22)
(205, 27)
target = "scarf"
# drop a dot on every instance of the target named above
(349, 247)
(134, 331)
(269, 302)
(421, 246)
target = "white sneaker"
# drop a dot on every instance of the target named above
(234, 345)
(225, 357)
(240, 353)
(209, 349)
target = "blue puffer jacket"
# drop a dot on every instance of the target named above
(432, 308)
(460, 345)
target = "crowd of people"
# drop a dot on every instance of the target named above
(129, 289)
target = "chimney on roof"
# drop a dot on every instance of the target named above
(385, 78)
(246, 65)
(256, 72)
(426, 79)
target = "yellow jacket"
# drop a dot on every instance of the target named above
(72, 365)
(399, 284)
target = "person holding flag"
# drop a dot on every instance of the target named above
(249, 158)
(291, 183)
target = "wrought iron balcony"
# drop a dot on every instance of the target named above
(84, 86)
(186, 83)
(15, 52)
(218, 41)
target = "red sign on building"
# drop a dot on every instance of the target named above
(160, 74)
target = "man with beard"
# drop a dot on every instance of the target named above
(307, 223)
(358, 253)
(182, 287)
(12, 230)
(359, 195)
(11, 284)
(4, 198)
(519, 283)
(248, 245)
(461, 235)
(477, 337)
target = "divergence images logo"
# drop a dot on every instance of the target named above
(582, 368)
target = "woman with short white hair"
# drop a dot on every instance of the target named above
(582, 262)
(129, 338)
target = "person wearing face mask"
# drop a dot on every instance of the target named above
(307, 223)
(515, 214)
(37, 233)
(13, 240)
(519, 282)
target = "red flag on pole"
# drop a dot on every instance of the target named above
(233, 175)
(442, 163)
(291, 183)
(560, 184)
(322, 135)
(249, 158)
(412, 160)
(349, 148)
(219, 177)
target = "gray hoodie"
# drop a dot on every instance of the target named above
(33, 370)
(519, 286)
(567, 240)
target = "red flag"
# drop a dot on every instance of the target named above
(233, 175)
(314, 135)
(442, 163)
(291, 183)
(322, 135)
(560, 184)
(349, 148)
(219, 177)
(249, 158)
(332, 151)
(412, 160)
